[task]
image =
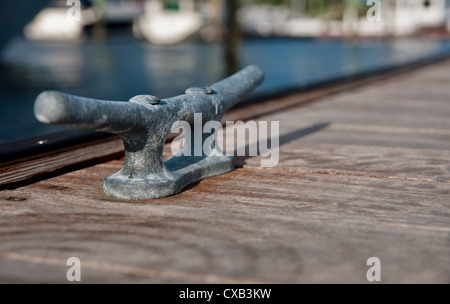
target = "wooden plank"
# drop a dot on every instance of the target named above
(404, 91)
(387, 162)
(377, 113)
(356, 135)
(247, 226)
(368, 103)
(53, 163)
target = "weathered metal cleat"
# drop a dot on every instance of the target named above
(144, 123)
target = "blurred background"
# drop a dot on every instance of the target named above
(116, 49)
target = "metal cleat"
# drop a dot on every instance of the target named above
(144, 124)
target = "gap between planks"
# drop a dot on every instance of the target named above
(412, 179)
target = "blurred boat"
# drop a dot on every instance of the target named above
(162, 25)
(263, 20)
(399, 18)
(54, 24)
(279, 21)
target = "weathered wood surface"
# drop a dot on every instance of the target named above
(246, 226)
(52, 162)
(363, 173)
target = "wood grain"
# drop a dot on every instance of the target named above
(374, 161)
(53, 163)
(362, 173)
(247, 226)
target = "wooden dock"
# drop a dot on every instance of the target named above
(362, 173)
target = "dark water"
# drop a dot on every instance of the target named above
(123, 67)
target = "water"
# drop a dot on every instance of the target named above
(123, 67)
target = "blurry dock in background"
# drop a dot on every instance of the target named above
(168, 22)
(350, 18)
(197, 41)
